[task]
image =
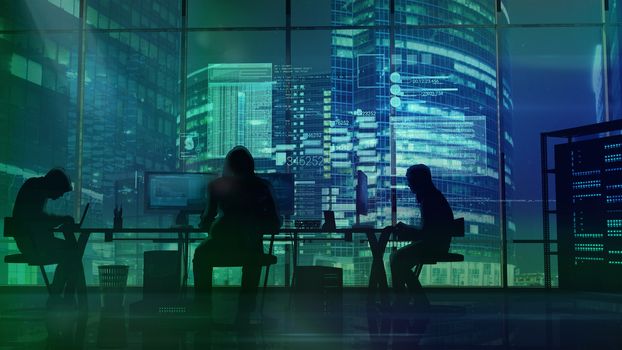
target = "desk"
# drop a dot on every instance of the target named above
(377, 245)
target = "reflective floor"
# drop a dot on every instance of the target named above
(458, 319)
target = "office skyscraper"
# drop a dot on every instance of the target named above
(405, 96)
(393, 97)
(230, 105)
(130, 104)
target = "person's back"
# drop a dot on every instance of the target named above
(29, 204)
(246, 206)
(437, 221)
(32, 222)
(240, 210)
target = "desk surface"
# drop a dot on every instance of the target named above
(198, 230)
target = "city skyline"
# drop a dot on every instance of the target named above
(361, 120)
(42, 73)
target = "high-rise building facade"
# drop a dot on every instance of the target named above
(391, 96)
(129, 116)
(405, 96)
(37, 101)
(229, 105)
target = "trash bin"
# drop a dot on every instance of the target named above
(112, 283)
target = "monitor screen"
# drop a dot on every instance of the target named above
(177, 191)
(361, 193)
(283, 191)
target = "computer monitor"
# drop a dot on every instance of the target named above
(361, 193)
(177, 191)
(283, 191)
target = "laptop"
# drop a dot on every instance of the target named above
(86, 210)
(82, 241)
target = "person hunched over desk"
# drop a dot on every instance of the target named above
(35, 240)
(430, 240)
(240, 210)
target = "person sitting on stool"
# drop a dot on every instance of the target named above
(36, 241)
(430, 240)
(247, 211)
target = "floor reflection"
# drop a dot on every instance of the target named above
(66, 327)
(112, 328)
(458, 320)
(396, 327)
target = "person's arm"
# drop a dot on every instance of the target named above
(53, 220)
(408, 232)
(46, 222)
(209, 214)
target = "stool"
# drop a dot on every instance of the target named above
(21, 259)
(448, 257)
(261, 260)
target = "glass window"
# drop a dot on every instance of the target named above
(567, 64)
(128, 95)
(614, 11)
(552, 12)
(442, 91)
(314, 12)
(349, 88)
(613, 63)
(236, 13)
(36, 110)
(235, 96)
(39, 15)
(148, 14)
(230, 80)
(421, 12)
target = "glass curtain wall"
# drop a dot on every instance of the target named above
(317, 89)
(554, 59)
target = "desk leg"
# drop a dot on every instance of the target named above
(373, 246)
(185, 262)
(377, 274)
(378, 319)
(182, 249)
(294, 258)
(83, 239)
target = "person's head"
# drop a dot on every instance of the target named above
(239, 162)
(419, 178)
(57, 183)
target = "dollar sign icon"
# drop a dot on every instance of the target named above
(189, 144)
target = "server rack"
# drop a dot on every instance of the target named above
(582, 198)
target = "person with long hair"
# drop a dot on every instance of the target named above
(240, 210)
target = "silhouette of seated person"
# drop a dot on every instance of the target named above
(430, 240)
(35, 239)
(240, 210)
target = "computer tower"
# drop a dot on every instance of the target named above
(161, 274)
(317, 299)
